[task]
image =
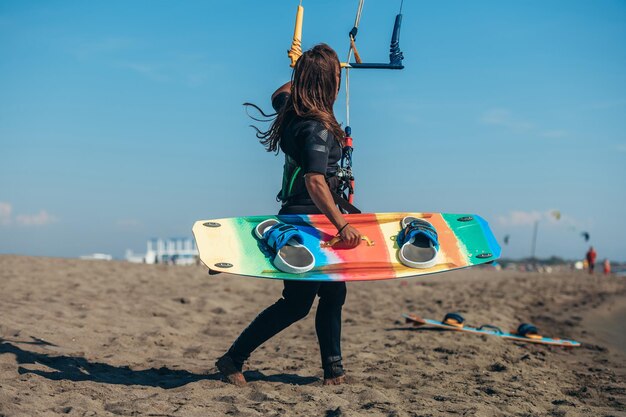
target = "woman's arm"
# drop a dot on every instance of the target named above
(285, 88)
(320, 194)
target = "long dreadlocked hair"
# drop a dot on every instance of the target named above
(314, 87)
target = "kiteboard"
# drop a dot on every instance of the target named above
(231, 245)
(530, 337)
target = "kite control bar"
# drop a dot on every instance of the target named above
(395, 63)
(395, 54)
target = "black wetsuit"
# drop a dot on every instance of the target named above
(313, 149)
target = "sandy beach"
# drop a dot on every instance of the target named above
(91, 338)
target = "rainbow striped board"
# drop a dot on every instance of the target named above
(421, 322)
(229, 245)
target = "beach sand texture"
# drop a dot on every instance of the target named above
(91, 338)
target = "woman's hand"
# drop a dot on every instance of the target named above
(350, 236)
(323, 199)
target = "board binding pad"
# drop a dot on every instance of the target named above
(230, 245)
(421, 322)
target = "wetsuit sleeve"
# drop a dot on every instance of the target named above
(280, 100)
(316, 148)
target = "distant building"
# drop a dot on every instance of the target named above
(178, 251)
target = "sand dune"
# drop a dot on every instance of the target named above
(87, 338)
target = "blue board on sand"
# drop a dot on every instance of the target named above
(492, 331)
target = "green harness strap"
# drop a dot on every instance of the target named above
(288, 182)
(293, 178)
(287, 187)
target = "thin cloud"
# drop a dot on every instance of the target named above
(5, 213)
(150, 71)
(40, 219)
(197, 80)
(525, 218)
(191, 70)
(128, 223)
(608, 104)
(555, 134)
(504, 118)
(528, 218)
(114, 44)
(145, 59)
(105, 46)
(621, 147)
(520, 218)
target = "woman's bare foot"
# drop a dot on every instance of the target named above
(230, 372)
(336, 380)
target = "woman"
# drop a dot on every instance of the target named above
(306, 130)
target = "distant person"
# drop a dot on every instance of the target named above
(591, 259)
(607, 266)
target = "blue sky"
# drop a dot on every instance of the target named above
(121, 121)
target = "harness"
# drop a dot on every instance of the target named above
(291, 174)
(294, 193)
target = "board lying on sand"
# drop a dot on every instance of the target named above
(487, 330)
(230, 245)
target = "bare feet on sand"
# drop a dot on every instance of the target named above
(230, 372)
(335, 381)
